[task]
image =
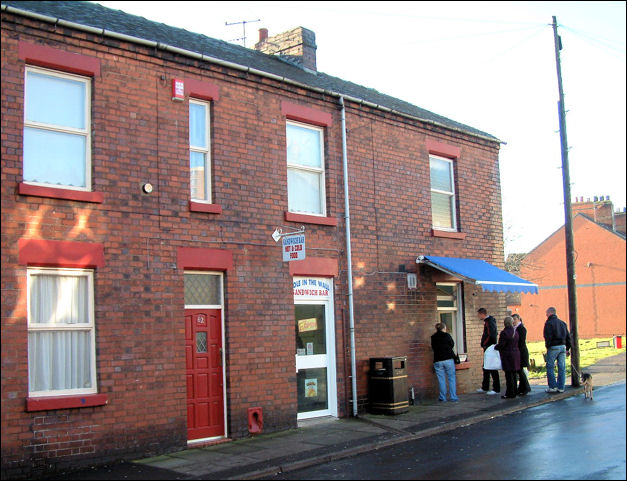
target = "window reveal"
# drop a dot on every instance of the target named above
(449, 312)
(305, 169)
(61, 343)
(199, 146)
(442, 193)
(57, 139)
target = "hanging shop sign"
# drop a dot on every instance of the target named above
(293, 247)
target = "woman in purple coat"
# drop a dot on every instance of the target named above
(510, 356)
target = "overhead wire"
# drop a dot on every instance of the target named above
(594, 41)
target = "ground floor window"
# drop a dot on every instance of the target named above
(61, 336)
(449, 312)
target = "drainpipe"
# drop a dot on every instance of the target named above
(349, 261)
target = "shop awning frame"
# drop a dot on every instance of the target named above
(479, 272)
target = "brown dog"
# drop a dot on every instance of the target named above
(586, 380)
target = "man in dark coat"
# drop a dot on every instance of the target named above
(510, 356)
(487, 339)
(557, 342)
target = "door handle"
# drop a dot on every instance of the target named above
(220, 361)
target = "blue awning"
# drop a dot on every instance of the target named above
(482, 273)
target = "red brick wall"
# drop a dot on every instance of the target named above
(600, 270)
(140, 135)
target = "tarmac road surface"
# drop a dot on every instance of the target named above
(567, 439)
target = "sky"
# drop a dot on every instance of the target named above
(489, 65)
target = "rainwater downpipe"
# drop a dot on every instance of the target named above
(349, 261)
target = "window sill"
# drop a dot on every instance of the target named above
(58, 193)
(207, 208)
(310, 219)
(463, 365)
(50, 403)
(448, 234)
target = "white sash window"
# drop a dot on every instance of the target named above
(61, 343)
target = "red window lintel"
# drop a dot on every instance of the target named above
(201, 258)
(58, 59)
(442, 149)
(305, 114)
(49, 253)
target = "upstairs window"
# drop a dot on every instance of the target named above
(305, 169)
(61, 336)
(199, 146)
(57, 130)
(442, 193)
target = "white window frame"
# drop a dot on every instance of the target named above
(220, 276)
(451, 193)
(86, 132)
(89, 325)
(327, 360)
(456, 310)
(320, 171)
(203, 150)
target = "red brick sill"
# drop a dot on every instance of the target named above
(207, 208)
(447, 234)
(310, 219)
(58, 193)
(49, 403)
(462, 365)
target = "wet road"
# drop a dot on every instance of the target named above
(567, 439)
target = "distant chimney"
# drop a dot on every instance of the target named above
(297, 45)
(263, 35)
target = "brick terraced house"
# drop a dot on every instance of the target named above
(599, 240)
(146, 306)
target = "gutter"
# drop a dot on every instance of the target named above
(225, 63)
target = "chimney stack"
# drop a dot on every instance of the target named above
(263, 35)
(600, 210)
(297, 45)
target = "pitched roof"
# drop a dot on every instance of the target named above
(603, 226)
(96, 16)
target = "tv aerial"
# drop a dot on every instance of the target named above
(243, 22)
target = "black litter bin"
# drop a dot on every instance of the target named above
(387, 385)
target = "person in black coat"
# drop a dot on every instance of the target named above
(510, 356)
(523, 382)
(442, 344)
(487, 339)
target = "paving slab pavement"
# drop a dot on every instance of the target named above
(321, 440)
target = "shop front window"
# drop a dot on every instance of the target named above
(449, 312)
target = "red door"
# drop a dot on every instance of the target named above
(203, 353)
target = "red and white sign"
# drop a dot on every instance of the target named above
(293, 248)
(178, 89)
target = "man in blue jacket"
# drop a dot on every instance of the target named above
(488, 338)
(557, 342)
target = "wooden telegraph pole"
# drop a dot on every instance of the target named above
(568, 226)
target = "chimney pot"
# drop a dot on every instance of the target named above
(263, 34)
